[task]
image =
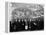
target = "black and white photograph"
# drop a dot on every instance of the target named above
(25, 17)
(22, 17)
